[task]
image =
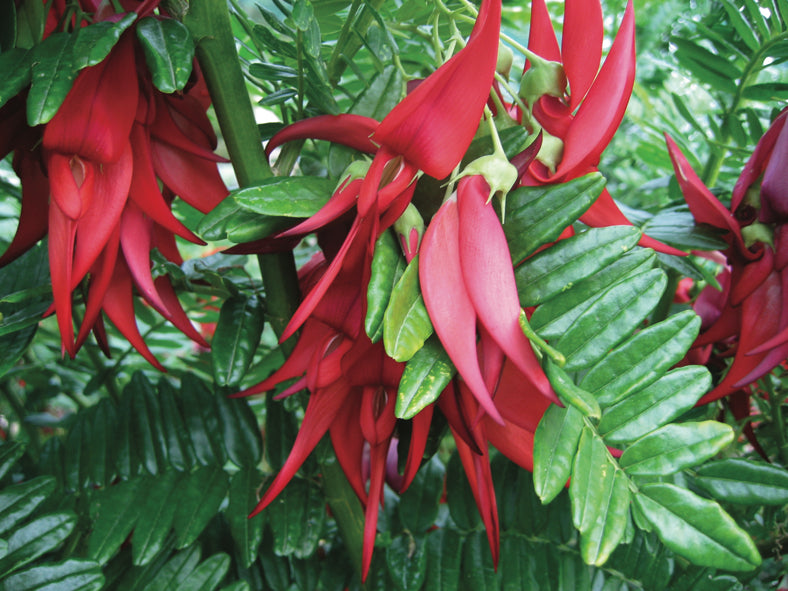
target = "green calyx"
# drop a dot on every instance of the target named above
(542, 78)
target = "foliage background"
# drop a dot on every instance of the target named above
(113, 476)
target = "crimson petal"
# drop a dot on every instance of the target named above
(349, 130)
(581, 46)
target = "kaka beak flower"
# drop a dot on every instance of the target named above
(101, 159)
(353, 388)
(581, 124)
(467, 281)
(752, 316)
(429, 130)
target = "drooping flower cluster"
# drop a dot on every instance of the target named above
(465, 268)
(747, 319)
(96, 169)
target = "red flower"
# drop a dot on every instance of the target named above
(97, 171)
(749, 318)
(353, 389)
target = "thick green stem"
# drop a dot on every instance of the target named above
(209, 23)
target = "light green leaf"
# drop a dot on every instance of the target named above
(555, 444)
(388, 264)
(696, 528)
(610, 319)
(568, 392)
(676, 446)
(426, 375)
(736, 480)
(169, 51)
(93, 43)
(291, 196)
(645, 410)
(643, 359)
(406, 324)
(53, 74)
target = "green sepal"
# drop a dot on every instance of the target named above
(388, 264)
(556, 269)
(555, 445)
(426, 375)
(406, 324)
(538, 215)
(169, 52)
(696, 528)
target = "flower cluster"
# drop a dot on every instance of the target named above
(465, 267)
(747, 319)
(105, 169)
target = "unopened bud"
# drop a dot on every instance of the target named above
(409, 228)
(357, 169)
(551, 152)
(505, 59)
(542, 78)
(499, 173)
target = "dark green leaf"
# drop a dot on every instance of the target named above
(462, 506)
(406, 559)
(555, 444)
(426, 375)
(478, 573)
(556, 269)
(169, 51)
(610, 319)
(104, 449)
(280, 431)
(296, 517)
(207, 575)
(293, 197)
(15, 72)
(20, 500)
(418, 505)
(69, 575)
(742, 25)
(519, 508)
(230, 218)
(236, 338)
(406, 324)
(736, 480)
(643, 359)
(93, 43)
(678, 228)
(600, 499)
(388, 265)
(36, 538)
(644, 559)
(158, 498)
(444, 550)
(113, 513)
(53, 74)
(176, 570)
(146, 425)
(201, 493)
(239, 430)
(247, 533)
(198, 408)
(384, 91)
(7, 26)
(31, 19)
(174, 431)
(538, 215)
(10, 452)
(696, 528)
(766, 91)
(645, 410)
(721, 66)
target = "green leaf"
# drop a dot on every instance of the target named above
(462, 506)
(20, 500)
(674, 447)
(7, 26)
(709, 67)
(31, 19)
(426, 375)
(418, 505)
(600, 499)
(176, 570)
(158, 498)
(568, 393)
(478, 572)
(290, 196)
(696, 528)
(742, 26)
(38, 537)
(104, 451)
(15, 72)
(198, 407)
(303, 13)
(229, 218)
(10, 452)
(555, 444)
(236, 338)
(69, 575)
(538, 215)
(642, 359)
(736, 480)
(146, 426)
(556, 269)
(169, 51)
(247, 533)
(406, 559)
(201, 493)
(296, 517)
(53, 74)
(444, 551)
(174, 430)
(766, 91)
(406, 324)
(207, 575)
(383, 93)
(610, 319)
(113, 513)
(646, 560)
(239, 430)
(645, 410)
(388, 264)
(93, 43)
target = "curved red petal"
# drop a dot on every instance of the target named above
(32, 225)
(541, 39)
(581, 46)
(349, 130)
(62, 234)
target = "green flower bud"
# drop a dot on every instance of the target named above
(542, 78)
(551, 152)
(505, 59)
